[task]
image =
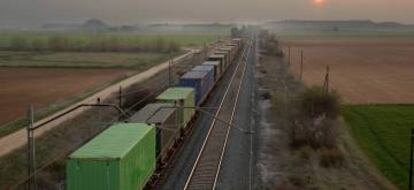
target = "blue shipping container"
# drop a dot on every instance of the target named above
(200, 81)
(209, 68)
(216, 65)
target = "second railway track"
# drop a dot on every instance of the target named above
(206, 168)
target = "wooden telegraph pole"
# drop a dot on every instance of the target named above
(31, 156)
(326, 83)
(410, 183)
(301, 65)
(170, 79)
(290, 58)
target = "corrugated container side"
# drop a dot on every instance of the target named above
(145, 164)
(201, 81)
(226, 57)
(190, 102)
(180, 97)
(168, 137)
(163, 116)
(194, 83)
(120, 158)
(221, 60)
(208, 68)
(210, 81)
(204, 67)
(216, 65)
(92, 174)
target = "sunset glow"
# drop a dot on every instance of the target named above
(319, 2)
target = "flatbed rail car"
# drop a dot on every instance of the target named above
(156, 151)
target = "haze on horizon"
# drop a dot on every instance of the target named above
(34, 13)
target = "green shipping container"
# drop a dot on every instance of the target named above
(120, 158)
(180, 97)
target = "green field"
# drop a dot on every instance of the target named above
(383, 132)
(138, 61)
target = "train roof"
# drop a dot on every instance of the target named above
(195, 74)
(225, 48)
(176, 93)
(211, 63)
(220, 56)
(114, 143)
(203, 67)
(156, 113)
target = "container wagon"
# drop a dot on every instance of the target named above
(164, 117)
(226, 55)
(217, 66)
(124, 156)
(201, 81)
(232, 49)
(221, 58)
(120, 158)
(181, 97)
(207, 68)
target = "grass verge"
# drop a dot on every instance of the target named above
(383, 132)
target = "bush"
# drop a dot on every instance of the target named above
(315, 102)
(316, 122)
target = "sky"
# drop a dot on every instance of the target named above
(32, 13)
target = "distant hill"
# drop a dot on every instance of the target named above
(94, 25)
(338, 23)
(338, 27)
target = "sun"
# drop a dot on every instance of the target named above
(319, 2)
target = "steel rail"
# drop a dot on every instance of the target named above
(207, 138)
(231, 121)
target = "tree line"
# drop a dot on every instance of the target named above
(101, 44)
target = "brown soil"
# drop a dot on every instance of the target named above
(42, 87)
(362, 72)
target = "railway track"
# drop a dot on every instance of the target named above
(206, 168)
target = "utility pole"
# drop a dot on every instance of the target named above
(290, 58)
(301, 65)
(326, 83)
(170, 72)
(120, 97)
(31, 156)
(410, 184)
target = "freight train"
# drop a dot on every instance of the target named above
(127, 155)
